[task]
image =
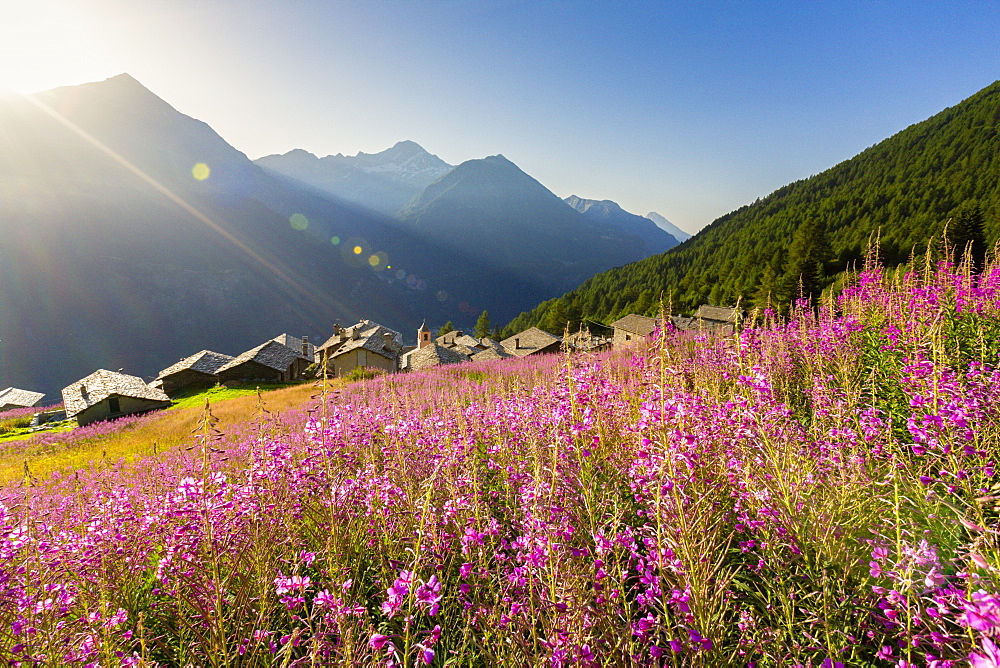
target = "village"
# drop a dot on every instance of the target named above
(108, 395)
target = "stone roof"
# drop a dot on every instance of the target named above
(23, 398)
(450, 337)
(102, 384)
(295, 344)
(636, 324)
(469, 342)
(529, 341)
(371, 336)
(271, 354)
(491, 354)
(684, 322)
(718, 313)
(432, 355)
(205, 361)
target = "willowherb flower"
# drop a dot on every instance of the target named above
(428, 595)
(987, 657)
(982, 613)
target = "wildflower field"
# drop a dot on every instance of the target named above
(819, 491)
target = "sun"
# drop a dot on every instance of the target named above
(49, 43)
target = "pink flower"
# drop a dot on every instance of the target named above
(990, 658)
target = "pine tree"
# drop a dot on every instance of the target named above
(767, 289)
(967, 233)
(805, 273)
(483, 326)
(555, 319)
(445, 328)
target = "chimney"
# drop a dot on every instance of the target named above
(305, 346)
(355, 335)
(388, 340)
(517, 343)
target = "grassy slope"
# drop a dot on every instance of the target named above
(156, 433)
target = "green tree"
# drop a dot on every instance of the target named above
(445, 328)
(805, 273)
(767, 289)
(483, 326)
(968, 233)
(555, 318)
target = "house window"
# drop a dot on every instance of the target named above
(113, 406)
(628, 337)
(362, 358)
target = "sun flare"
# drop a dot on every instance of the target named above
(48, 43)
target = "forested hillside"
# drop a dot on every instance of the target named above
(903, 189)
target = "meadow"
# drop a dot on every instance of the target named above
(819, 490)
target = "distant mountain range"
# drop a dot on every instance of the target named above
(899, 194)
(657, 239)
(132, 235)
(382, 182)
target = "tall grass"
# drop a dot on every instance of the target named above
(815, 492)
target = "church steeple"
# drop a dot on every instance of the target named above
(423, 336)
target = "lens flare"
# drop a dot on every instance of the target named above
(299, 222)
(335, 241)
(358, 250)
(200, 171)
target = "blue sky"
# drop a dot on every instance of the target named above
(691, 109)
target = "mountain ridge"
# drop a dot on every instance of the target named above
(383, 182)
(657, 239)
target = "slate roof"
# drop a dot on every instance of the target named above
(271, 354)
(449, 338)
(205, 361)
(432, 355)
(102, 384)
(529, 341)
(371, 336)
(491, 354)
(683, 322)
(295, 344)
(23, 398)
(636, 324)
(469, 342)
(718, 313)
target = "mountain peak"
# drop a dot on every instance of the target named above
(667, 226)
(408, 145)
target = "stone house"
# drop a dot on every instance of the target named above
(366, 344)
(721, 319)
(632, 328)
(270, 362)
(12, 397)
(531, 341)
(198, 370)
(106, 395)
